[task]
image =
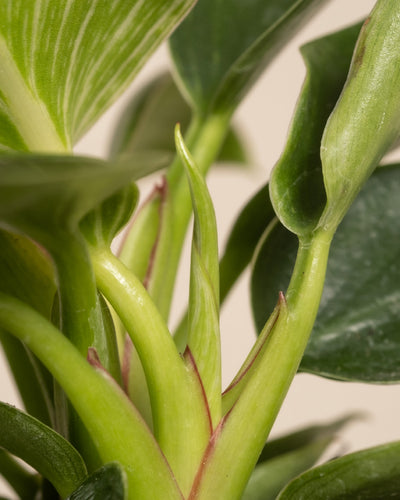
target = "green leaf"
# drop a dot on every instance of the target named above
(284, 458)
(41, 195)
(149, 120)
(371, 474)
(101, 225)
(107, 483)
(63, 63)
(296, 183)
(203, 314)
(221, 48)
(366, 120)
(24, 483)
(243, 239)
(270, 477)
(42, 448)
(27, 274)
(355, 336)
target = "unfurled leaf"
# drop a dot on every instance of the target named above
(371, 474)
(203, 314)
(284, 458)
(42, 448)
(65, 62)
(149, 120)
(296, 183)
(43, 194)
(366, 120)
(355, 336)
(221, 48)
(107, 483)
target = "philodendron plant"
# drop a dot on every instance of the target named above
(116, 406)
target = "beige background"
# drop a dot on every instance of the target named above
(264, 118)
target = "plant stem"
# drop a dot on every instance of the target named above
(204, 139)
(180, 417)
(261, 398)
(114, 424)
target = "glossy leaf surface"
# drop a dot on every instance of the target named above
(371, 474)
(107, 483)
(149, 120)
(65, 62)
(296, 184)
(42, 448)
(221, 47)
(356, 332)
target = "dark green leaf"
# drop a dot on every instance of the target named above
(149, 121)
(107, 483)
(270, 477)
(221, 47)
(42, 448)
(25, 484)
(356, 332)
(284, 458)
(243, 238)
(372, 474)
(65, 62)
(297, 190)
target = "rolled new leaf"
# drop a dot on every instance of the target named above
(366, 120)
(203, 315)
(296, 184)
(42, 448)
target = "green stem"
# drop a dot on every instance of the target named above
(112, 421)
(261, 398)
(180, 417)
(82, 323)
(204, 139)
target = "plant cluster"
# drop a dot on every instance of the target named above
(116, 406)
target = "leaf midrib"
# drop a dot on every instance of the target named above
(27, 112)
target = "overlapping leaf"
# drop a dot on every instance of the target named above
(221, 47)
(356, 332)
(39, 193)
(371, 474)
(149, 120)
(107, 483)
(65, 62)
(42, 448)
(296, 185)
